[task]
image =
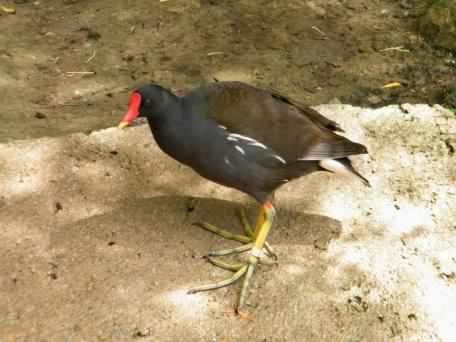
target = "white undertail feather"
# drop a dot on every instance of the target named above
(334, 166)
(342, 167)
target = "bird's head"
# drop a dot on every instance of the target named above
(148, 101)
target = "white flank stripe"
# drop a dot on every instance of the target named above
(240, 149)
(259, 145)
(231, 138)
(279, 158)
(222, 127)
(239, 136)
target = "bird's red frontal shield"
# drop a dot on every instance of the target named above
(133, 110)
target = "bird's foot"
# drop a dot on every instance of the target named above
(253, 242)
(241, 270)
(247, 239)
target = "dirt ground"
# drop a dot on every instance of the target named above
(96, 234)
(319, 51)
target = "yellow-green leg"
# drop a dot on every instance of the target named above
(248, 238)
(254, 242)
(262, 229)
(248, 230)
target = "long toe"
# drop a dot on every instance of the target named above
(223, 232)
(254, 242)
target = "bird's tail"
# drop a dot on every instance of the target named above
(342, 165)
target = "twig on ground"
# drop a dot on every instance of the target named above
(92, 57)
(80, 73)
(395, 48)
(319, 31)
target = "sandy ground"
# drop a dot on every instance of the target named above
(97, 241)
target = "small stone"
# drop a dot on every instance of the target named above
(52, 275)
(40, 115)
(335, 100)
(412, 316)
(358, 304)
(374, 99)
(321, 244)
(58, 207)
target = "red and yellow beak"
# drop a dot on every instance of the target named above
(123, 124)
(133, 110)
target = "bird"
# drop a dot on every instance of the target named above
(248, 138)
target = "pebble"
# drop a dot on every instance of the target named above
(374, 99)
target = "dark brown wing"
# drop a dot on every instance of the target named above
(312, 114)
(293, 132)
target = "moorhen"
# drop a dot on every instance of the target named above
(245, 138)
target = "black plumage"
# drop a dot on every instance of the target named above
(243, 137)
